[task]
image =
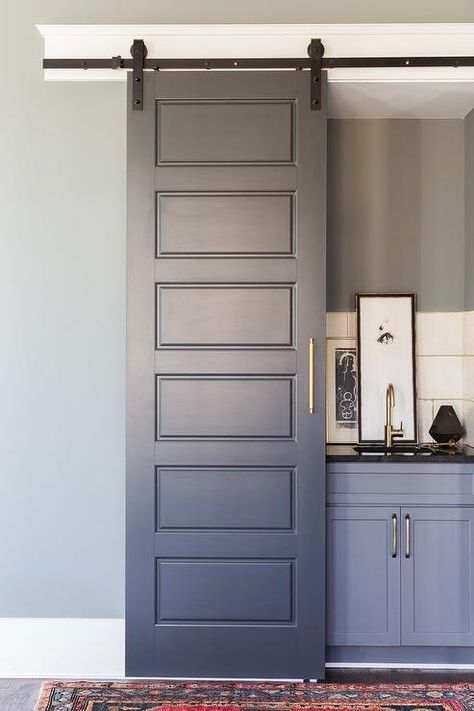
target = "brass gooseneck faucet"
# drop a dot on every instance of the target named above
(390, 431)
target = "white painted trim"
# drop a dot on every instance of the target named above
(208, 41)
(42, 648)
(430, 92)
(340, 28)
(395, 665)
(62, 648)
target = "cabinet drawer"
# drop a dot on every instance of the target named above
(384, 483)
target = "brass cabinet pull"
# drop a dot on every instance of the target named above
(408, 536)
(311, 375)
(394, 535)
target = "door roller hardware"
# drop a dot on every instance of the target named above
(316, 62)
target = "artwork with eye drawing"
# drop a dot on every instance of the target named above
(386, 356)
(342, 400)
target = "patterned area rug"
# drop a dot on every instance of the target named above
(232, 696)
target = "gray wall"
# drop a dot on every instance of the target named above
(396, 211)
(469, 137)
(62, 354)
(62, 295)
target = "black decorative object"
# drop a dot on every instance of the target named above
(446, 426)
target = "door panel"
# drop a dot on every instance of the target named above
(225, 407)
(245, 223)
(225, 131)
(225, 498)
(224, 316)
(438, 577)
(225, 591)
(363, 595)
(226, 465)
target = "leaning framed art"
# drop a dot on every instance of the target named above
(386, 354)
(341, 391)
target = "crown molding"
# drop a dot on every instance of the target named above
(380, 92)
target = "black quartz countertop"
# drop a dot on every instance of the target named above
(346, 453)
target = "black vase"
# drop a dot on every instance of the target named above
(446, 426)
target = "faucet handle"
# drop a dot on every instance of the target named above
(399, 431)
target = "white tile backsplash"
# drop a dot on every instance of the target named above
(352, 325)
(336, 324)
(425, 419)
(445, 363)
(469, 333)
(440, 377)
(468, 386)
(469, 422)
(440, 333)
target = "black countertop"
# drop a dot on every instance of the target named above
(346, 453)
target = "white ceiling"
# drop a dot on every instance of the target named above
(353, 93)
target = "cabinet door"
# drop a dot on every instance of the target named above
(363, 576)
(437, 576)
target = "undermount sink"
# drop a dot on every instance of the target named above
(406, 449)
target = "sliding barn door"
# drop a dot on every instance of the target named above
(226, 465)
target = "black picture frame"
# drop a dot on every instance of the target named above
(363, 407)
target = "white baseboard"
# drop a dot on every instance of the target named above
(45, 648)
(62, 648)
(395, 665)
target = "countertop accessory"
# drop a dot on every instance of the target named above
(386, 354)
(446, 428)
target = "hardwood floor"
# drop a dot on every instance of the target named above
(21, 694)
(399, 676)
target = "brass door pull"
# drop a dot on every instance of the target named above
(394, 535)
(311, 375)
(408, 536)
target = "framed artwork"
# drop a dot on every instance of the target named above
(341, 391)
(386, 354)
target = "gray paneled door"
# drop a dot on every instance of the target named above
(226, 467)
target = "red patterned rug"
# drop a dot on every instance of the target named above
(234, 696)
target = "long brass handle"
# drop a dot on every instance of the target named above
(394, 535)
(407, 536)
(311, 375)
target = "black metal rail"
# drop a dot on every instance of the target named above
(315, 61)
(261, 63)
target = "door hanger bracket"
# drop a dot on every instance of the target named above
(139, 52)
(315, 52)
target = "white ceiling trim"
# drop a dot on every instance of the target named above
(382, 92)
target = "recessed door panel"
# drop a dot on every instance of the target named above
(225, 498)
(225, 591)
(252, 131)
(225, 407)
(225, 223)
(225, 316)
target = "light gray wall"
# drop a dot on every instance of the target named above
(396, 211)
(62, 296)
(247, 11)
(469, 137)
(62, 354)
